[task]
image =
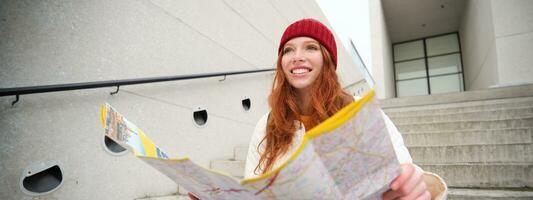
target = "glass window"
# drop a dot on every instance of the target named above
(442, 44)
(448, 83)
(409, 50)
(428, 65)
(444, 64)
(412, 87)
(410, 69)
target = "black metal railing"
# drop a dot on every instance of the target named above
(117, 83)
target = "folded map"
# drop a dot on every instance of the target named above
(348, 156)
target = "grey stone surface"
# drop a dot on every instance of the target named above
(479, 137)
(477, 41)
(513, 30)
(459, 125)
(484, 175)
(487, 194)
(463, 107)
(501, 153)
(458, 97)
(475, 139)
(500, 114)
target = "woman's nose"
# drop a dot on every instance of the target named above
(298, 56)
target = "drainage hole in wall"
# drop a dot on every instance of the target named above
(112, 146)
(246, 104)
(43, 181)
(200, 117)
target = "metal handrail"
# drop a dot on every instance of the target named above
(358, 57)
(100, 84)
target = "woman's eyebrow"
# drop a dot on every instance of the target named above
(304, 42)
(288, 44)
(311, 41)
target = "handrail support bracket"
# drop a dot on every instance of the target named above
(116, 91)
(16, 100)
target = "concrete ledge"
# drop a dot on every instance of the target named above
(501, 153)
(466, 125)
(484, 175)
(463, 193)
(475, 95)
(501, 114)
(481, 137)
(471, 106)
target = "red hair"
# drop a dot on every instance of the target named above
(328, 98)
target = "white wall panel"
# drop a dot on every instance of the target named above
(54, 42)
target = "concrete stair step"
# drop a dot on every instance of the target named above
(484, 175)
(444, 109)
(491, 94)
(499, 136)
(467, 125)
(500, 153)
(449, 108)
(232, 167)
(521, 112)
(488, 194)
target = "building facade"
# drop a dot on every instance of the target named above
(52, 144)
(430, 47)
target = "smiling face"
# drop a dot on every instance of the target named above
(302, 62)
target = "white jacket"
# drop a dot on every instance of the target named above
(435, 184)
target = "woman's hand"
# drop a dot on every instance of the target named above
(408, 185)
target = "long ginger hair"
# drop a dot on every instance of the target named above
(328, 97)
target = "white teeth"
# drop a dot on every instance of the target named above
(300, 71)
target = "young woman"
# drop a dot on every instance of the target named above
(305, 92)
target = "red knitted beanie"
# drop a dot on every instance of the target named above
(313, 29)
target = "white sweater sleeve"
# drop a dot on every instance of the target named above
(252, 158)
(397, 141)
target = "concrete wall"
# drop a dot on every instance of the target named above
(478, 45)
(54, 42)
(382, 68)
(497, 41)
(513, 30)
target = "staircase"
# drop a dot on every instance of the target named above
(234, 166)
(480, 142)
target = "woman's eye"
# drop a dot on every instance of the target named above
(287, 50)
(312, 47)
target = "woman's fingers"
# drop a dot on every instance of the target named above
(408, 185)
(407, 172)
(418, 191)
(393, 193)
(412, 183)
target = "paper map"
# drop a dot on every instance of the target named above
(348, 156)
